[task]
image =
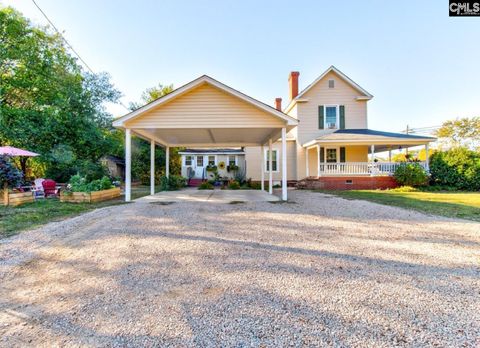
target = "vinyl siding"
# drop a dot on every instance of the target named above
(206, 107)
(320, 94)
(254, 157)
(356, 153)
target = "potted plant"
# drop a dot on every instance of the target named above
(232, 168)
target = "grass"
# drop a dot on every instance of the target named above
(27, 216)
(464, 205)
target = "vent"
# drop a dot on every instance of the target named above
(331, 83)
(349, 182)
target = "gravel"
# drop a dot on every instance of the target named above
(318, 271)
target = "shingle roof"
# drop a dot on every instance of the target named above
(359, 134)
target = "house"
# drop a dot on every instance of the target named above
(115, 166)
(320, 139)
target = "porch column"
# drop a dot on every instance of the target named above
(152, 167)
(372, 150)
(167, 161)
(262, 168)
(318, 160)
(128, 165)
(427, 164)
(306, 164)
(390, 155)
(270, 160)
(284, 164)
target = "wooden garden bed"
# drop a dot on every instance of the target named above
(90, 197)
(15, 198)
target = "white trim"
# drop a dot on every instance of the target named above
(167, 162)
(208, 159)
(228, 159)
(184, 160)
(276, 160)
(152, 167)
(298, 98)
(211, 153)
(120, 122)
(284, 164)
(128, 165)
(337, 121)
(336, 148)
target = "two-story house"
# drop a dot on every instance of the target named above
(320, 139)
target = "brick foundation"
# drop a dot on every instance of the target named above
(348, 183)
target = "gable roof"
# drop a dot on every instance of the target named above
(341, 134)
(119, 122)
(348, 80)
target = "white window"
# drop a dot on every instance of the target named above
(331, 117)
(188, 160)
(274, 161)
(232, 160)
(199, 161)
(212, 160)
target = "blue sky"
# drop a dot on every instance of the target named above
(421, 66)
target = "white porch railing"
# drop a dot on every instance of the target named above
(361, 168)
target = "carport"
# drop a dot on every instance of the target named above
(206, 113)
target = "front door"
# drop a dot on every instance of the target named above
(199, 166)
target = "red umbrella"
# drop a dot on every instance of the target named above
(13, 151)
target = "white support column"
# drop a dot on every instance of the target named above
(372, 150)
(152, 167)
(262, 168)
(318, 161)
(307, 170)
(390, 154)
(167, 161)
(128, 165)
(284, 164)
(270, 162)
(427, 164)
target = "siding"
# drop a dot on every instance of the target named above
(206, 107)
(320, 94)
(220, 158)
(356, 153)
(253, 159)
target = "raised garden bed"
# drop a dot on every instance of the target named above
(90, 197)
(15, 198)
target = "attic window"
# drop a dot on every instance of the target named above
(331, 83)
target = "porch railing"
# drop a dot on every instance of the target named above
(361, 168)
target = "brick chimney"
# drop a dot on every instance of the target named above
(278, 104)
(293, 84)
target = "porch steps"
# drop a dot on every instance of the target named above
(195, 182)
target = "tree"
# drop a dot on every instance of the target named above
(141, 149)
(10, 176)
(151, 94)
(46, 98)
(461, 132)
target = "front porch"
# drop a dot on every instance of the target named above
(362, 168)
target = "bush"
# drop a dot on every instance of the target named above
(458, 168)
(233, 185)
(256, 185)
(78, 183)
(404, 189)
(205, 186)
(9, 174)
(411, 174)
(172, 183)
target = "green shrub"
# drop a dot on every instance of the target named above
(255, 185)
(233, 185)
(172, 183)
(205, 186)
(9, 174)
(78, 183)
(411, 174)
(458, 168)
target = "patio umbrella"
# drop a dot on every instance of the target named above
(13, 151)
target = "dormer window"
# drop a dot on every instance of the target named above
(331, 83)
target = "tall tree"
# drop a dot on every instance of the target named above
(150, 94)
(461, 132)
(46, 99)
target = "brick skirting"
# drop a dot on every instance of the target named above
(348, 183)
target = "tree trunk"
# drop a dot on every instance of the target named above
(23, 165)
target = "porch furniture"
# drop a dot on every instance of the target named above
(38, 188)
(50, 188)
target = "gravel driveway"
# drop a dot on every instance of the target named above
(322, 271)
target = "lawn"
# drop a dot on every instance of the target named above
(465, 205)
(27, 216)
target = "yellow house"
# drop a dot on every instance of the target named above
(320, 139)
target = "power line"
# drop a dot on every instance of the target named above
(70, 46)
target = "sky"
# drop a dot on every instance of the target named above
(422, 66)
